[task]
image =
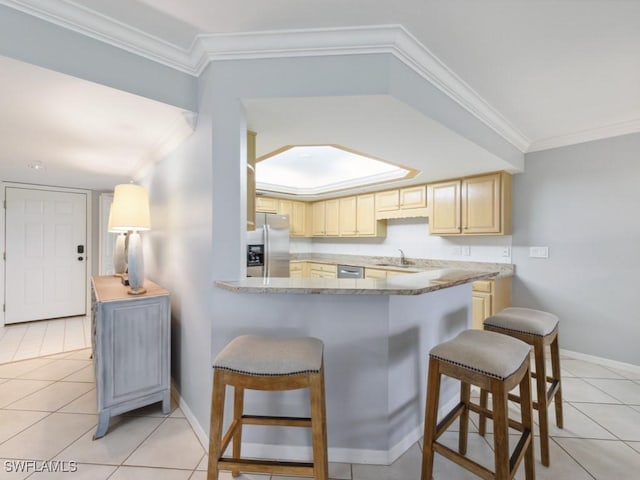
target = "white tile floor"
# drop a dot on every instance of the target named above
(47, 413)
(45, 337)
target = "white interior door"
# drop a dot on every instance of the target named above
(46, 247)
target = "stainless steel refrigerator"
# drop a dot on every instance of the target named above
(268, 246)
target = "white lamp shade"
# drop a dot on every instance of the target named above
(129, 209)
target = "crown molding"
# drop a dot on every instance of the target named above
(77, 18)
(393, 39)
(608, 131)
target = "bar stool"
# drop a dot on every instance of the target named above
(274, 364)
(539, 329)
(493, 362)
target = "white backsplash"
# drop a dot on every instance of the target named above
(412, 236)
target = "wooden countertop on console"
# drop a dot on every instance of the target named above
(109, 288)
(412, 284)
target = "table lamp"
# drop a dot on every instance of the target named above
(120, 249)
(130, 213)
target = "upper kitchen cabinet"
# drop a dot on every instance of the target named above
(251, 180)
(478, 205)
(266, 205)
(294, 209)
(324, 218)
(444, 206)
(357, 217)
(297, 212)
(402, 203)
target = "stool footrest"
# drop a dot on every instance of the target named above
(489, 414)
(549, 377)
(276, 421)
(520, 450)
(465, 462)
(449, 419)
(266, 466)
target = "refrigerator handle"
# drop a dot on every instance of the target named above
(266, 269)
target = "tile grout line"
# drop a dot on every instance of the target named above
(574, 459)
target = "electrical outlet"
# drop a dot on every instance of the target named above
(506, 251)
(539, 252)
(456, 251)
(466, 251)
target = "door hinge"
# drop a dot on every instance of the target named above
(4, 255)
(4, 307)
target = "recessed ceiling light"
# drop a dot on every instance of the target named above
(37, 166)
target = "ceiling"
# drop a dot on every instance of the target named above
(82, 134)
(558, 71)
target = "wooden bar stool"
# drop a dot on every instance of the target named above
(493, 362)
(275, 364)
(539, 329)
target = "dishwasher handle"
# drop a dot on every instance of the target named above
(345, 271)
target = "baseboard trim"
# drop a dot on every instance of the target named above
(601, 361)
(191, 418)
(336, 455)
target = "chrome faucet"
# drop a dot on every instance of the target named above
(403, 260)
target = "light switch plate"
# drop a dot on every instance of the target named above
(466, 251)
(539, 252)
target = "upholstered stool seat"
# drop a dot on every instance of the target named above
(493, 362)
(267, 363)
(538, 329)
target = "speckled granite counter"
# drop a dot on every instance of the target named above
(414, 284)
(415, 264)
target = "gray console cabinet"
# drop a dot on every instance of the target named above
(131, 348)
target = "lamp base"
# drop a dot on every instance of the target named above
(137, 291)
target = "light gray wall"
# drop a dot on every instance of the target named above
(31, 40)
(178, 255)
(581, 201)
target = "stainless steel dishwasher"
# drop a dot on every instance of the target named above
(347, 271)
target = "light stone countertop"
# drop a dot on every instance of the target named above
(415, 264)
(413, 284)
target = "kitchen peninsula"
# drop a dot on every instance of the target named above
(377, 335)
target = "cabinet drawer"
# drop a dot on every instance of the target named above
(324, 267)
(483, 286)
(375, 273)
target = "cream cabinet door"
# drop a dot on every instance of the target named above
(444, 205)
(318, 212)
(480, 309)
(251, 180)
(285, 208)
(298, 219)
(389, 200)
(366, 215)
(413, 197)
(347, 218)
(481, 204)
(375, 273)
(266, 205)
(332, 215)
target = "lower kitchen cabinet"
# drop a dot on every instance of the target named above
(131, 348)
(375, 273)
(488, 298)
(322, 270)
(298, 269)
